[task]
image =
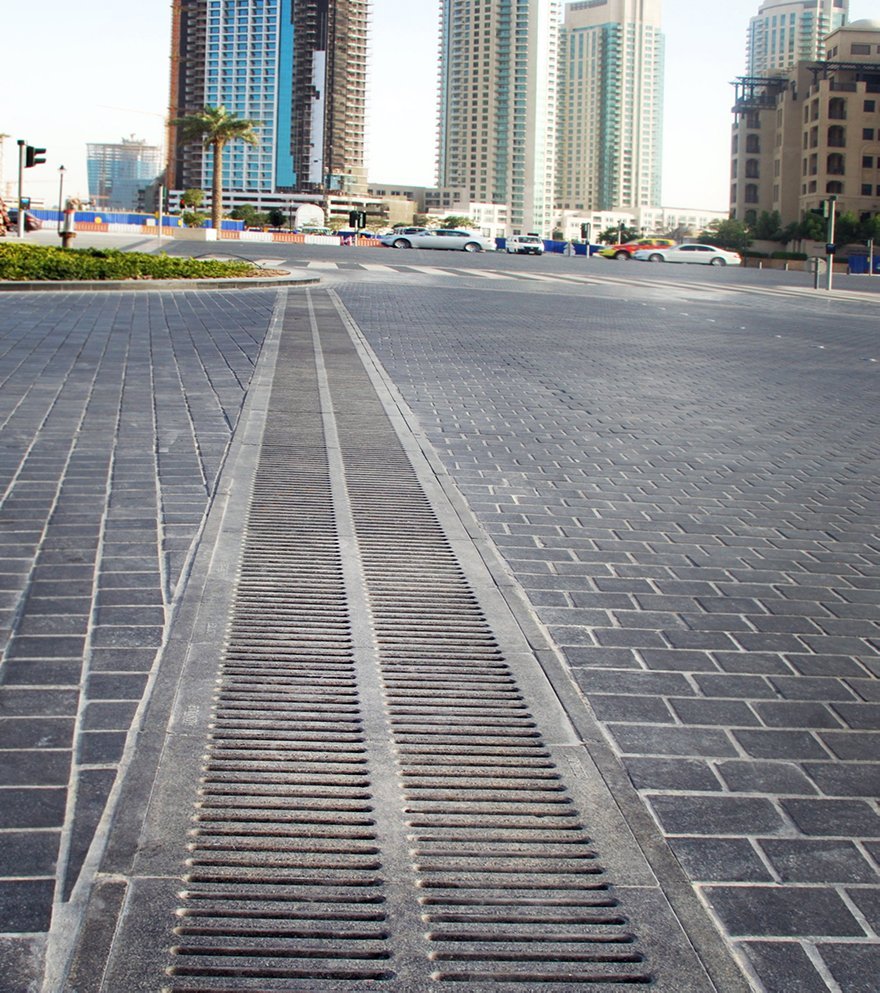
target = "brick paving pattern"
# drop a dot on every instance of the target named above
(684, 483)
(687, 488)
(115, 414)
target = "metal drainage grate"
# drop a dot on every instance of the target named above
(283, 881)
(477, 868)
(510, 888)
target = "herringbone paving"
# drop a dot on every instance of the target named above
(684, 485)
(115, 414)
(689, 498)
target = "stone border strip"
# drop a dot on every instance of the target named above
(126, 285)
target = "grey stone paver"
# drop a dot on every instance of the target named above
(115, 414)
(687, 492)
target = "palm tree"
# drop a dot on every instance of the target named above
(214, 127)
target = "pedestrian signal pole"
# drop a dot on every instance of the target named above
(21, 154)
(830, 247)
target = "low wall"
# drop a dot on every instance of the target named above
(189, 234)
(209, 234)
(791, 265)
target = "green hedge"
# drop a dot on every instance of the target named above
(37, 262)
(790, 256)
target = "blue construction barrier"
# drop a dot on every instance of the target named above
(120, 217)
(858, 265)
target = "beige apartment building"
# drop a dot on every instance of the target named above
(813, 131)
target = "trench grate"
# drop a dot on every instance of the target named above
(510, 887)
(284, 879)
(289, 885)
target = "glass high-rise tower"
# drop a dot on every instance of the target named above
(298, 67)
(611, 105)
(785, 32)
(120, 172)
(497, 127)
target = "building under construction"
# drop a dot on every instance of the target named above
(298, 68)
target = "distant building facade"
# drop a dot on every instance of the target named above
(498, 102)
(119, 173)
(814, 131)
(611, 105)
(298, 67)
(785, 32)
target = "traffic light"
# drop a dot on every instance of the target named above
(353, 216)
(34, 156)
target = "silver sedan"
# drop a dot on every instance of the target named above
(453, 240)
(699, 254)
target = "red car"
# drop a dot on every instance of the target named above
(625, 251)
(31, 223)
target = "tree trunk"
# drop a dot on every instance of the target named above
(217, 189)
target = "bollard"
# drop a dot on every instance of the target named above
(67, 232)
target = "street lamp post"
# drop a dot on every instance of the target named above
(61, 171)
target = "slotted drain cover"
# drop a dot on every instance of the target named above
(431, 841)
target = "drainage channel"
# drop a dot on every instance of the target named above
(389, 797)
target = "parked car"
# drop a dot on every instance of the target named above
(31, 222)
(627, 249)
(441, 238)
(524, 244)
(699, 254)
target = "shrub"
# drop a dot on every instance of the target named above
(790, 256)
(38, 262)
(193, 219)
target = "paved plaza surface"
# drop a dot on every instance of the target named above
(673, 482)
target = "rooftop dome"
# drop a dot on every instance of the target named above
(866, 24)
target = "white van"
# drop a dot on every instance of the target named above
(524, 244)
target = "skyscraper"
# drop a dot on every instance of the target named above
(120, 172)
(785, 32)
(298, 67)
(326, 101)
(611, 105)
(497, 127)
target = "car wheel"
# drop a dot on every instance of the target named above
(718, 262)
(656, 258)
(622, 255)
(401, 243)
(472, 246)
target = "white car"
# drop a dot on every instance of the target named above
(440, 238)
(699, 254)
(524, 244)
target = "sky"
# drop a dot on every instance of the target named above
(95, 71)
